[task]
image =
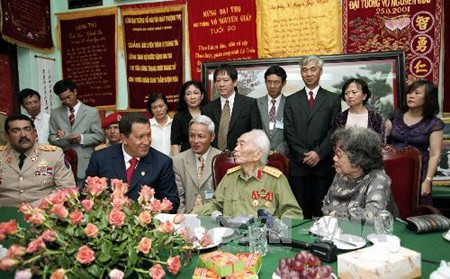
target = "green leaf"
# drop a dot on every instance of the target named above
(70, 230)
(132, 256)
(94, 270)
(104, 257)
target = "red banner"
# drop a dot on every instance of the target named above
(154, 56)
(410, 25)
(221, 30)
(88, 51)
(27, 23)
(6, 100)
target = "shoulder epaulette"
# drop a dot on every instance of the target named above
(100, 147)
(2, 147)
(272, 171)
(233, 169)
(47, 147)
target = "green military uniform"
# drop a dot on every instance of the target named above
(43, 171)
(267, 188)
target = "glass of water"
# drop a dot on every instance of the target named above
(257, 234)
(384, 223)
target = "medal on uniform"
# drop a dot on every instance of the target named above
(269, 198)
(268, 204)
(255, 203)
(9, 160)
(255, 197)
(142, 173)
(33, 158)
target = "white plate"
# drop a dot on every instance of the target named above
(324, 233)
(446, 236)
(221, 232)
(358, 242)
(190, 220)
(217, 240)
(376, 238)
(275, 276)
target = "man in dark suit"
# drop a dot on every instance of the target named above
(308, 118)
(233, 114)
(75, 125)
(271, 107)
(148, 166)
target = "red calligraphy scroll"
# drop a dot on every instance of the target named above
(412, 26)
(6, 86)
(89, 51)
(27, 23)
(154, 56)
(221, 30)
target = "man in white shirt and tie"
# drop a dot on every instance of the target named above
(30, 100)
(192, 167)
(271, 108)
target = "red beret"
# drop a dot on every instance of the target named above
(113, 118)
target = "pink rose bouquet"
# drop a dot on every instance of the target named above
(105, 234)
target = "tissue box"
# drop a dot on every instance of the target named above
(377, 262)
(243, 274)
(252, 261)
(222, 263)
(203, 273)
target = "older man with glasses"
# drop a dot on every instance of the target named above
(29, 171)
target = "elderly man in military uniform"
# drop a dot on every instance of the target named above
(110, 127)
(29, 171)
(252, 185)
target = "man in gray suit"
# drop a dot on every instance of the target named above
(308, 117)
(193, 167)
(75, 125)
(271, 108)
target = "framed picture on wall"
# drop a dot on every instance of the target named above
(75, 4)
(442, 176)
(384, 72)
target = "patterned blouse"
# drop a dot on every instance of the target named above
(375, 122)
(360, 198)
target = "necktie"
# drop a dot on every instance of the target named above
(21, 160)
(200, 168)
(273, 112)
(33, 118)
(311, 99)
(72, 116)
(223, 126)
(133, 162)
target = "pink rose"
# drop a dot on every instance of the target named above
(60, 211)
(37, 217)
(156, 272)
(91, 230)
(174, 264)
(23, 274)
(85, 255)
(118, 186)
(116, 274)
(116, 218)
(87, 205)
(57, 198)
(144, 245)
(71, 192)
(15, 251)
(76, 217)
(9, 228)
(178, 218)
(165, 227)
(35, 245)
(155, 205)
(145, 194)
(118, 202)
(95, 186)
(26, 208)
(144, 218)
(49, 236)
(8, 263)
(166, 205)
(60, 273)
(44, 204)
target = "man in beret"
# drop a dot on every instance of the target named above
(110, 127)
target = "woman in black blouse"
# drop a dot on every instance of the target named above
(192, 98)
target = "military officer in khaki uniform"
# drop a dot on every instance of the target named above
(29, 171)
(252, 185)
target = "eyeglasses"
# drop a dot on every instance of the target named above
(273, 82)
(17, 131)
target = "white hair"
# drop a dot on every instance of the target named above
(261, 142)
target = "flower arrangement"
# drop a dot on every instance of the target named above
(104, 234)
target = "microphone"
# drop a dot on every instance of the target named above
(216, 216)
(323, 249)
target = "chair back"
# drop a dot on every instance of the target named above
(404, 167)
(71, 156)
(225, 160)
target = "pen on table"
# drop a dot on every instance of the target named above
(401, 220)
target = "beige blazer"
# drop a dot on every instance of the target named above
(188, 185)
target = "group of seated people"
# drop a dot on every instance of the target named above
(32, 167)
